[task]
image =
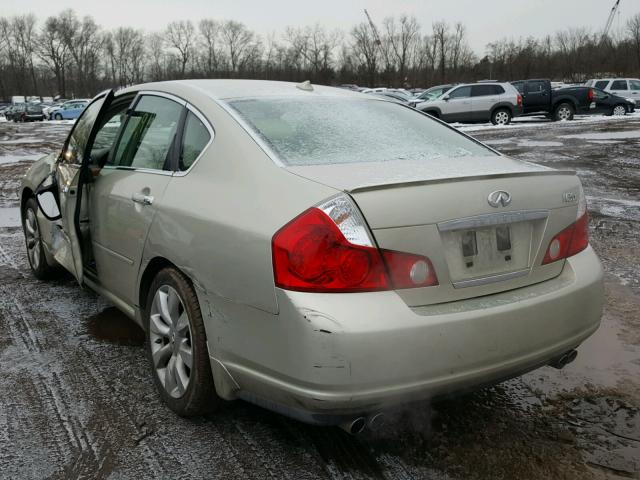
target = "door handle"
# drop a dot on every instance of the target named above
(142, 198)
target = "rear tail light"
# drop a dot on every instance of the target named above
(328, 248)
(590, 94)
(572, 239)
(519, 100)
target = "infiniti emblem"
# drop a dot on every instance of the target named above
(499, 198)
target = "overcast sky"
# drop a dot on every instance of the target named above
(486, 20)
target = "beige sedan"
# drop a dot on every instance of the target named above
(325, 254)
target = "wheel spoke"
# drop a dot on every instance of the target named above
(182, 325)
(165, 309)
(186, 353)
(170, 376)
(161, 356)
(180, 375)
(158, 326)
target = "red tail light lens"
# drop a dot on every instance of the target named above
(569, 241)
(311, 254)
(519, 100)
(590, 94)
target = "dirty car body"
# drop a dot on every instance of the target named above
(348, 254)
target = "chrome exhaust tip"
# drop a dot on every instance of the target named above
(376, 421)
(564, 359)
(354, 426)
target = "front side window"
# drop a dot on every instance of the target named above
(195, 138)
(79, 137)
(462, 92)
(619, 85)
(325, 131)
(149, 134)
(602, 84)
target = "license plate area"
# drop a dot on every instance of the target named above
(488, 251)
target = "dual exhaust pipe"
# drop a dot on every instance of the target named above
(358, 424)
(564, 359)
(375, 421)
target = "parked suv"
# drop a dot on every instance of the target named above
(476, 102)
(623, 87)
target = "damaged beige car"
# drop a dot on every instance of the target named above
(322, 253)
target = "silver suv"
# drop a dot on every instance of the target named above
(623, 87)
(476, 102)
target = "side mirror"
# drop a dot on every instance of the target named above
(47, 198)
(48, 205)
(446, 98)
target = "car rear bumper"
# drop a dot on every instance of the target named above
(352, 354)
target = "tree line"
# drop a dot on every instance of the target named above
(75, 57)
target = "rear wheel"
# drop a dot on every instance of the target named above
(35, 250)
(563, 112)
(57, 116)
(619, 110)
(501, 116)
(177, 345)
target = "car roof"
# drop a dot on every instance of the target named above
(228, 89)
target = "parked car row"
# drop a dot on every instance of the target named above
(60, 110)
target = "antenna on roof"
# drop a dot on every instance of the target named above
(306, 86)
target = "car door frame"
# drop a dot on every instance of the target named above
(70, 221)
(458, 116)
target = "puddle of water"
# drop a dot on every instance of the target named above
(115, 327)
(10, 217)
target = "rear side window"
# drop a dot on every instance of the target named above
(602, 84)
(483, 90)
(634, 84)
(149, 134)
(194, 140)
(619, 85)
(536, 87)
(461, 92)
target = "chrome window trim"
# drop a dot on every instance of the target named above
(156, 171)
(212, 134)
(474, 282)
(490, 219)
(163, 94)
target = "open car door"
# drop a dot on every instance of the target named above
(60, 195)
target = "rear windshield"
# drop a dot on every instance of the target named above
(330, 130)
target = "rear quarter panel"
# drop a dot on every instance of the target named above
(216, 222)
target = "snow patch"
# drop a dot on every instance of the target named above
(10, 217)
(539, 143)
(628, 134)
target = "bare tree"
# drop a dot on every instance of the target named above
(181, 36)
(633, 29)
(239, 42)
(210, 45)
(366, 49)
(402, 37)
(441, 39)
(53, 51)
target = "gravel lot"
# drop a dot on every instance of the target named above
(77, 400)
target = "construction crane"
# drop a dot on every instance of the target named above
(377, 37)
(612, 15)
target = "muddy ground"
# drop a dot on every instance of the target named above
(77, 401)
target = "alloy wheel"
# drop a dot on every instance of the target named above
(32, 234)
(170, 338)
(502, 118)
(619, 110)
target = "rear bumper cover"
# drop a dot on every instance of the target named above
(367, 352)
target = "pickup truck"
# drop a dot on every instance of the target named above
(558, 104)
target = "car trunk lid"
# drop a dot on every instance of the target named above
(445, 214)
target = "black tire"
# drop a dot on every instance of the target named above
(432, 113)
(200, 396)
(57, 116)
(37, 259)
(564, 112)
(501, 116)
